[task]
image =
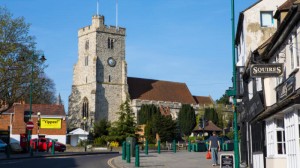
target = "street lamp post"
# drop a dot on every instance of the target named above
(30, 102)
(236, 142)
(84, 122)
(38, 131)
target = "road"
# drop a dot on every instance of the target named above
(81, 161)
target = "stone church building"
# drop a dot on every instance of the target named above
(100, 82)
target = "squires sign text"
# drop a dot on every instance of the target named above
(266, 70)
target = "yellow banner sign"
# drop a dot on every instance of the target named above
(52, 123)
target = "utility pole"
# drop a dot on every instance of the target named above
(236, 141)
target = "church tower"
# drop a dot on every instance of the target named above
(100, 75)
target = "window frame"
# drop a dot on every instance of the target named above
(262, 20)
(272, 140)
(293, 49)
(283, 141)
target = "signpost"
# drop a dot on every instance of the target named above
(227, 161)
(29, 125)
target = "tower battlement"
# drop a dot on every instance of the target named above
(99, 25)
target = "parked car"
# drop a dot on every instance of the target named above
(2, 146)
(15, 147)
(45, 144)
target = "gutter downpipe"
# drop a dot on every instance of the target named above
(236, 142)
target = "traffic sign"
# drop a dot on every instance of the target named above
(29, 125)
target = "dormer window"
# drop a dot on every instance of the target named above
(266, 19)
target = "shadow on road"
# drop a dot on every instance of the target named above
(39, 162)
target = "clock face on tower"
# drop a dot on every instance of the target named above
(111, 62)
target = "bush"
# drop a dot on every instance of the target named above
(82, 143)
(100, 141)
(230, 135)
(192, 139)
(200, 138)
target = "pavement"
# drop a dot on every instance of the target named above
(168, 159)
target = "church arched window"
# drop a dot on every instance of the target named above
(85, 108)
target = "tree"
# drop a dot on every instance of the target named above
(146, 112)
(211, 114)
(223, 100)
(18, 57)
(125, 126)
(164, 126)
(101, 128)
(186, 119)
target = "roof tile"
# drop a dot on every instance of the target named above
(45, 109)
(149, 89)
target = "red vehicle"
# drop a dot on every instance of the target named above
(45, 144)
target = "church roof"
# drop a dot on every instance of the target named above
(203, 100)
(157, 90)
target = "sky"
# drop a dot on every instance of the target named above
(186, 41)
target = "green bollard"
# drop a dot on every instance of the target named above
(189, 146)
(146, 147)
(128, 153)
(158, 147)
(53, 147)
(174, 146)
(124, 150)
(137, 156)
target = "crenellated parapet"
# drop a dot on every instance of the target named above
(98, 25)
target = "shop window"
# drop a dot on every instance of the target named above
(280, 136)
(280, 142)
(270, 137)
(276, 144)
(266, 19)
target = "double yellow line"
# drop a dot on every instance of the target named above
(109, 162)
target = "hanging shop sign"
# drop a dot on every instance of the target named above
(286, 89)
(51, 123)
(254, 107)
(266, 70)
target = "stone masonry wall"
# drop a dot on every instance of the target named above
(93, 78)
